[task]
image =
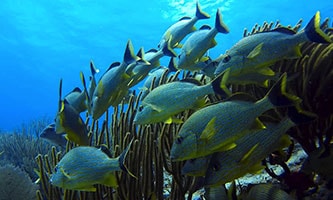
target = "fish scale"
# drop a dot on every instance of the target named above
(215, 128)
(227, 166)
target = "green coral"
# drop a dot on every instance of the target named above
(15, 184)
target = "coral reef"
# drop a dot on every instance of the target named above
(22, 146)
(15, 184)
(310, 77)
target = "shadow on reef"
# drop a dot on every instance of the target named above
(311, 78)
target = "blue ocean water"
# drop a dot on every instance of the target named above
(44, 41)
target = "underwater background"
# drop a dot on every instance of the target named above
(189, 155)
(44, 41)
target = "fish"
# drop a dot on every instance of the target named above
(2, 152)
(255, 53)
(92, 85)
(267, 191)
(167, 100)
(214, 193)
(83, 167)
(252, 148)
(49, 133)
(197, 166)
(198, 43)
(216, 127)
(76, 98)
(155, 75)
(152, 56)
(69, 121)
(182, 28)
(113, 85)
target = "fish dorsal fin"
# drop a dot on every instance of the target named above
(246, 156)
(152, 51)
(184, 18)
(93, 69)
(209, 130)
(172, 65)
(77, 89)
(205, 27)
(241, 96)
(129, 55)
(141, 53)
(105, 150)
(114, 64)
(64, 173)
(191, 80)
(60, 94)
(62, 106)
(285, 30)
(256, 51)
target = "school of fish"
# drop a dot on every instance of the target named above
(220, 142)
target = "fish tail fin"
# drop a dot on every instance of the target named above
(172, 65)
(278, 96)
(83, 80)
(168, 50)
(299, 116)
(93, 68)
(129, 55)
(216, 84)
(313, 31)
(122, 160)
(219, 24)
(199, 13)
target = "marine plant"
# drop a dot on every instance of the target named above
(16, 184)
(311, 79)
(22, 146)
(149, 157)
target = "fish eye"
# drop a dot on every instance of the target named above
(140, 108)
(226, 59)
(216, 166)
(179, 140)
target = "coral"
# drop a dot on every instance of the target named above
(15, 184)
(148, 159)
(21, 147)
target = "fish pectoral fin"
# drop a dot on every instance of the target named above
(246, 156)
(295, 53)
(64, 173)
(100, 89)
(209, 131)
(200, 103)
(110, 180)
(266, 71)
(256, 51)
(173, 120)
(178, 45)
(155, 107)
(168, 121)
(224, 80)
(177, 120)
(226, 147)
(204, 58)
(257, 125)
